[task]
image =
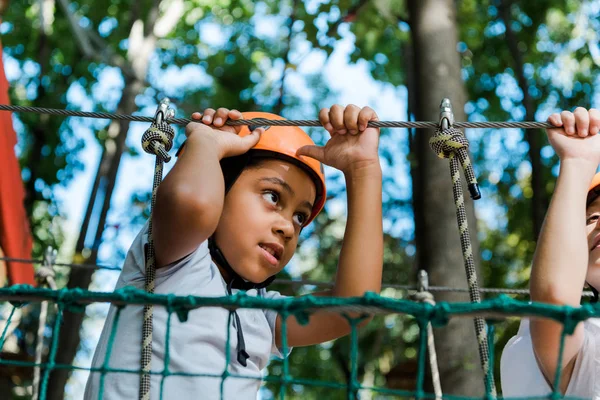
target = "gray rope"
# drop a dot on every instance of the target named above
(70, 265)
(45, 276)
(424, 296)
(285, 122)
(306, 282)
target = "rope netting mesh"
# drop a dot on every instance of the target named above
(448, 142)
(301, 308)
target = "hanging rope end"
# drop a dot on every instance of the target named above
(474, 191)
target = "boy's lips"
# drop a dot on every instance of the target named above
(272, 251)
(596, 243)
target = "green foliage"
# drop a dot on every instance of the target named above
(223, 53)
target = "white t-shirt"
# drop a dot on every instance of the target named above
(521, 376)
(196, 346)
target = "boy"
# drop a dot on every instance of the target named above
(228, 216)
(567, 257)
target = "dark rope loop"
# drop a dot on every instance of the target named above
(158, 140)
(447, 142)
(451, 142)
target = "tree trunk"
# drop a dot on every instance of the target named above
(38, 132)
(286, 58)
(142, 45)
(101, 194)
(539, 200)
(437, 71)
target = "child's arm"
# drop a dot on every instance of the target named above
(353, 149)
(561, 257)
(190, 199)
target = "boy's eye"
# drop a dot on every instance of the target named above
(271, 197)
(591, 219)
(300, 218)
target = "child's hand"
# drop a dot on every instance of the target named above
(225, 137)
(576, 135)
(352, 145)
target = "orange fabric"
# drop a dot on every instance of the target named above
(287, 140)
(15, 235)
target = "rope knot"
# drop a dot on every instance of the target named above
(451, 143)
(45, 274)
(158, 140)
(445, 143)
(423, 297)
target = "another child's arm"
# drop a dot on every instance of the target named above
(561, 257)
(353, 149)
(189, 201)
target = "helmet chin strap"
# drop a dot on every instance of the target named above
(236, 282)
(594, 292)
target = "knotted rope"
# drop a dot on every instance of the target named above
(424, 296)
(45, 277)
(450, 143)
(157, 140)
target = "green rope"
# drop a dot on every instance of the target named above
(353, 385)
(166, 371)
(53, 348)
(557, 374)
(286, 360)
(225, 373)
(7, 324)
(437, 314)
(489, 393)
(75, 299)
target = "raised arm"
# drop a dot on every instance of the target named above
(353, 149)
(561, 258)
(190, 199)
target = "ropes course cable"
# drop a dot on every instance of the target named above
(285, 122)
(448, 142)
(310, 282)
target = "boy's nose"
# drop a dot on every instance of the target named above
(284, 227)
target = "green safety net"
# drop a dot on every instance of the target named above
(76, 300)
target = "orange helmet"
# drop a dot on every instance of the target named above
(282, 142)
(594, 190)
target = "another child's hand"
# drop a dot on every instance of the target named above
(576, 135)
(211, 125)
(352, 145)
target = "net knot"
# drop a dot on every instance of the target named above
(423, 297)
(45, 274)
(158, 140)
